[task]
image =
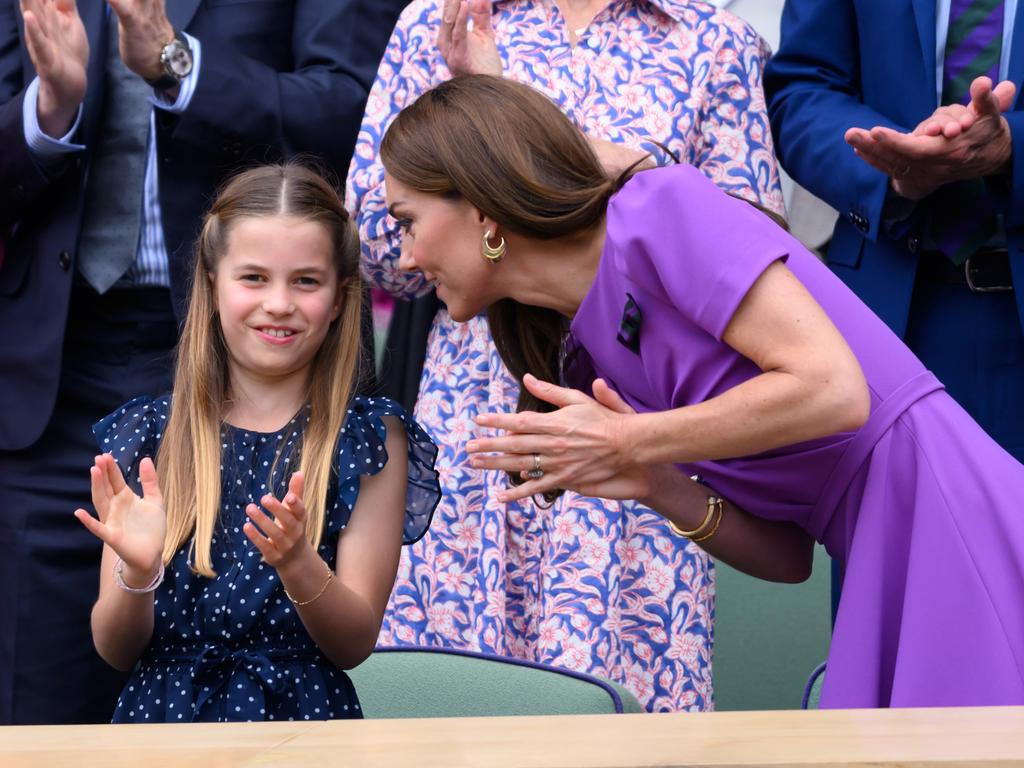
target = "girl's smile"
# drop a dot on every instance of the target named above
(274, 334)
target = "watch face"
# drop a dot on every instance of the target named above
(178, 60)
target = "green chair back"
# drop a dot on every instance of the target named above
(812, 690)
(439, 682)
(767, 636)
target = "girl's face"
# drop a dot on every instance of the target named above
(276, 289)
(442, 239)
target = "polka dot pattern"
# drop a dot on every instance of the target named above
(233, 647)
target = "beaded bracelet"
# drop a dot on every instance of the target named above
(119, 579)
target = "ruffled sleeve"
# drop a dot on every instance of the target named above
(133, 432)
(361, 451)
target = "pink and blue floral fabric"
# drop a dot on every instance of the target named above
(591, 585)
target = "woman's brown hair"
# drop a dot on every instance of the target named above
(189, 458)
(511, 153)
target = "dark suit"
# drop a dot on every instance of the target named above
(862, 63)
(277, 78)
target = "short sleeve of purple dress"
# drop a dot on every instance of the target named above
(920, 506)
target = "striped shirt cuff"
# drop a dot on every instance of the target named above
(45, 148)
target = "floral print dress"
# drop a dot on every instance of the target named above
(590, 585)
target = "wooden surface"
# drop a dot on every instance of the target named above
(904, 738)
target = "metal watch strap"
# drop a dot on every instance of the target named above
(169, 80)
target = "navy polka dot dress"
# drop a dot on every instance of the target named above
(233, 647)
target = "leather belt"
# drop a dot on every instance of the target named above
(985, 271)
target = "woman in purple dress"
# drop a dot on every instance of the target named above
(713, 343)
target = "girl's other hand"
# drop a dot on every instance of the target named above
(280, 539)
(468, 51)
(135, 528)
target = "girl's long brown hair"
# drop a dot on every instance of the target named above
(189, 457)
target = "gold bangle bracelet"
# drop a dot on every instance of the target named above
(330, 575)
(690, 534)
(720, 506)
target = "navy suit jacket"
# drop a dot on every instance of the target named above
(862, 63)
(278, 77)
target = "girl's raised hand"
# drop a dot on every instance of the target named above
(134, 527)
(579, 446)
(283, 537)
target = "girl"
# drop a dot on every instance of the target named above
(257, 562)
(714, 343)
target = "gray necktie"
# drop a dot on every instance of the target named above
(109, 241)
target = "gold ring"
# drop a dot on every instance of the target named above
(536, 473)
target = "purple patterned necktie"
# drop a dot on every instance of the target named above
(974, 43)
(963, 218)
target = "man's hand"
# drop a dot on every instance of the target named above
(59, 49)
(144, 31)
(955, 143)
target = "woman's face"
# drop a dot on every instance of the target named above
(442, 238)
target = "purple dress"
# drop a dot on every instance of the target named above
(922, 509)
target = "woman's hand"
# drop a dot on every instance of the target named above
(280, 540)
(581, 446)
(468, 51)
(135, 528)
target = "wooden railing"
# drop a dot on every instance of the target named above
(904, 738)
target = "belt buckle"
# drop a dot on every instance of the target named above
(974, 287)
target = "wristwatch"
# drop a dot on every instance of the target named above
(176, 59)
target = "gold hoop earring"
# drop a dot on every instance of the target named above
(493, 253)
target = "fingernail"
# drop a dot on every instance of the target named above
(471, 446)
(290, 499)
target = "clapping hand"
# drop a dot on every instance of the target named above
(581, 446)
(144, 31)
(135, 528)
(281, 539)
(955, 143)
(59, 49)
(468, 51)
